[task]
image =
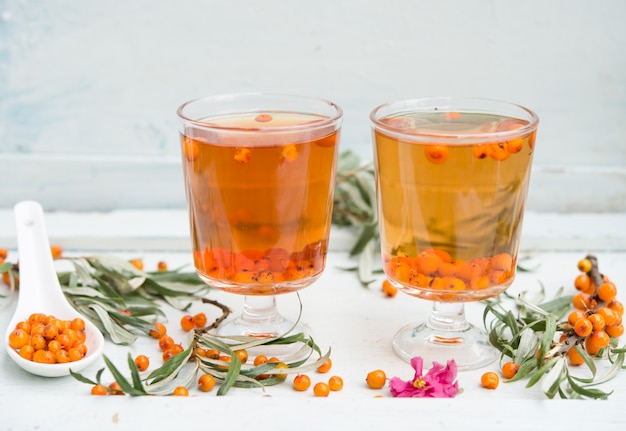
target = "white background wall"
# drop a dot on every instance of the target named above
(89, 89)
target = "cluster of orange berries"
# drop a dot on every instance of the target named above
(302, 382)
(435, 269)
(263, 268)
(45, 339)
(598, 314)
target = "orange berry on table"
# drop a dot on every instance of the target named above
(57, 251)
(242, 354)
(206, 382)
(615, 331)
(186, 322)
(137, 263)
(98, 390)
(607, 292)
(489, 380)
(301, 382)
(142, 362)
(180, 391)
(321, 389)
(509, 369)
(3, 253)
(199, 320)
(325, 367)
(158, 331)
(389, 289)
(115, 389)
(162, 266)
(436, 154)
(335, 383)
(583, 327)
(376, 379)
(165, 342)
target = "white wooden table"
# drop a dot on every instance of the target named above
(356, 322)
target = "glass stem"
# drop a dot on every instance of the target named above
(260, 309)
(448, 316)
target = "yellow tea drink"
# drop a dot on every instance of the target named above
(259, 190)
(452, 189)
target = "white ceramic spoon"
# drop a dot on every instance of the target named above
(40, 292)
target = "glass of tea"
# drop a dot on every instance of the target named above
(259, 173)
(452, 177)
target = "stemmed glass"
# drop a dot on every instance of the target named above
(259, 173)
(452, 177)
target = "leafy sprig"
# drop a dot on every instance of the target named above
(355, 207)
(538, 338)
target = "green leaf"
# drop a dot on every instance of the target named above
(121, 380)
(84, 379)
(134, 372)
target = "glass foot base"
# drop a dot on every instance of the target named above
(469, 347)
(268, 325)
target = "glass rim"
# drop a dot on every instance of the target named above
(322, 122)
(464, 105)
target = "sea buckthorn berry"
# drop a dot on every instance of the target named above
(325, 367)
(615, 331)
(489, 380)
(376, 379)
(199, 320)
(480, 151)
(213, 354)
(115, 389)
(607, 292)
(137, 263)
(56, 251)
(335, 383)
(281, 365)
(597, 321)
(576, 315)
(142, 362)
(27, 352)
(162, 266)
(242, 155)
(321, 389)
(582, 301)
(242, 354)
(44, 357)
(158, 331)
(574, 357)
(206, 382)
(180, 391)
(289, 153)
(3, 253)
(301, 382)
(165, 342)
(515, 145)
(263, 118)
(583, 327)
(224, 358)
(583, 283)
(18, 338)
(502, 262)
(509, 369)
(260, 360)
(611, 317)
(76, 354)
(38, 342)
(616, 306)
(389, 289)
(584, 265)
(77, 324)
(98, 390)
(186, 322)
(436, 154)
(596, 342)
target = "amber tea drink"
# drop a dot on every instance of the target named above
(259, 172)
(452, 178)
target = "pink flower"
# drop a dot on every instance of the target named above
(439, 381)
